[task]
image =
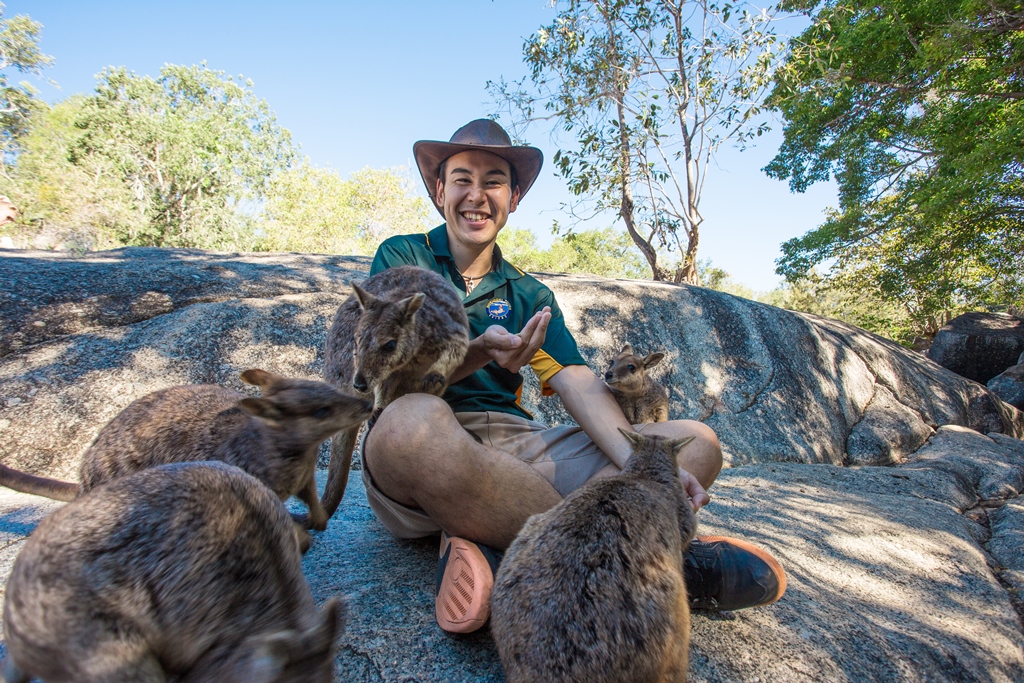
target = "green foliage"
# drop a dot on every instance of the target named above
(193, 159)
(314, 210)
(19, 49)
(595, 252)
(192, 146)
(87, 198)
(825, 297)
(915, 107)
(649, 89)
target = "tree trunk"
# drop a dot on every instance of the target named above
(625, 156)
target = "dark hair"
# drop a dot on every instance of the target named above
(513, 180)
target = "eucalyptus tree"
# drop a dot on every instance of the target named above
(916, 108)
(649, 89)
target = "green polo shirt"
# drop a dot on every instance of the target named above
(508, 297)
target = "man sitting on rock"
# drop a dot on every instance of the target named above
(473, 465)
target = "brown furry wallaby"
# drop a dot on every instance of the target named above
(592, 590)
(275, 437)
(403, 330)
(640, 397)
(183, 572)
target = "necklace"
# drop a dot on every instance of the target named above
(471, 282)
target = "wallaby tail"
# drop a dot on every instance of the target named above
(37, 486)
(342, 445)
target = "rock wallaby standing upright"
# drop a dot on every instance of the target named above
(403, 330)
(592, 590)
(183, 572)
(640, 397)
(275, 438)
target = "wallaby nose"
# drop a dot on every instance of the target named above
(359, 383)
(608, 375)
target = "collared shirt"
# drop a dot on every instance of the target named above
(506, 296)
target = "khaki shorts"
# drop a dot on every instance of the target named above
(563, 455)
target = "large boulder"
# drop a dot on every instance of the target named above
(979, 346)
(910, 571)
(82, 337)
(775, 385)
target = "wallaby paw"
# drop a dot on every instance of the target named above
(317, 523)
(434, 383)
(302, 538)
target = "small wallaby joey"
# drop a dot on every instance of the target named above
(640, 397)
(404, 330)
(275, 438)
(183, 572)
(592, 590)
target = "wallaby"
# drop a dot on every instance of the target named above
(592, 590)
(640, 397)
(275, 438)
(403, 330)
(183, 572)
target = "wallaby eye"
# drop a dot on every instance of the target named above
(389, 347)
(321, 413)
(631, 368)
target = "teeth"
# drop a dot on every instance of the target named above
(475, 216)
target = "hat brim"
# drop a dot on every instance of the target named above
(429, 154)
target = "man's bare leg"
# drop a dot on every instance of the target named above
(420, 456)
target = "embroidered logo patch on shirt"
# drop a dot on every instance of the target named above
(498, 309)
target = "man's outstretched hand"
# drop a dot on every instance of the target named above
(513, 351)
(698, 496)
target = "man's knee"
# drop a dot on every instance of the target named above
(407, 426)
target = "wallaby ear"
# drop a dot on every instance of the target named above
(653, 359)
(261, 408)
(413, 304)
(634, 438)
(627, 349)
(330, 623)
(676, 445)
(259, 378)
(363, 298)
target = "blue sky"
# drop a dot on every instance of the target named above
(357, 83)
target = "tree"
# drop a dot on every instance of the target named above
(19, 49)
(916, 108)
(83, 202)
(650, 89)
(193, 146)
(312, 209)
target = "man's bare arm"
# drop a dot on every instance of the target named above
(593, 407)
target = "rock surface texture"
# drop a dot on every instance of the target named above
(1009, 385)
(910, 571)
(979, 346)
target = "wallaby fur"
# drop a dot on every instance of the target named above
(274, 438)
(183, 572)
(403, 330)
(592, 590)
(641, 398)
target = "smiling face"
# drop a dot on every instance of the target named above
(476, 195)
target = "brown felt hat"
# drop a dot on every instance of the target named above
(482, 134)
